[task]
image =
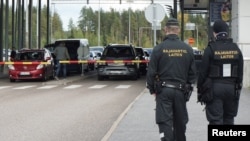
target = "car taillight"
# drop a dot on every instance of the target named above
(40, 66)
(11, 67)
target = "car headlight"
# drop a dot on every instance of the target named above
(40, 66)
(11, 67)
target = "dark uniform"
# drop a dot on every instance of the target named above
(172, 62)
(222, 63)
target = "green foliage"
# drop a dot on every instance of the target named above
(114, 27)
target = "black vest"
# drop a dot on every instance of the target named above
(224, 63)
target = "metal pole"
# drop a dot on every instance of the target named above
(154, 23)
(175, 9)
(39, 23)
(99, 24)
(51, 21)
(48, 22)
(30, 24)
(6, 30)
(26, 11)
(197, 36)
(13, 25)
(23, 26)
(1, 33)
(129, 12)
(129, 25)
(182, 20)
(19, 25)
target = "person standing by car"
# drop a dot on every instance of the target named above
(13, 54)
(171, 73)
(220, 79)
(61, 53)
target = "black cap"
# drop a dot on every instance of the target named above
(172, 22)
(220, 26)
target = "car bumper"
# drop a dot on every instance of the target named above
(117, 71)
(35, 74)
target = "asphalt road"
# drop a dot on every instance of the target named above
(82, 110)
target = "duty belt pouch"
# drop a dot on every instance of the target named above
(207, 91)
(158, 86)
(188, 89)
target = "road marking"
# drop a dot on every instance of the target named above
(47, 87)
(72, 87)
(122, 86)
(97, 86)
(23, 87)
(67, 87)
(3, 87)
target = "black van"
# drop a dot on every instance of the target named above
(78, 50)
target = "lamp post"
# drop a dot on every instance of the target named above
(129, 24)
(197, 36)
(99, 26)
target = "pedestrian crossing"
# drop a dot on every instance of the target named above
(65, 87)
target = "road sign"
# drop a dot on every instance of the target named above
(155, 12)
(191, 41)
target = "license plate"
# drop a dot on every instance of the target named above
(115, 72)
(24, 73)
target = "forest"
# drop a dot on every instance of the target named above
(114, 27)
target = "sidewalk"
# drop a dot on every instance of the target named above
(138, 123)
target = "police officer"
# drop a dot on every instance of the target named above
(170, 69)
(222, 63)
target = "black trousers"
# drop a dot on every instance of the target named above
(224, 107)
(171, 114)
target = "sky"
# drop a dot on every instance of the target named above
(71, 9)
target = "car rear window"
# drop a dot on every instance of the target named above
(118, 51)
(30, 56)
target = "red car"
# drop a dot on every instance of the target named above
(32, 64)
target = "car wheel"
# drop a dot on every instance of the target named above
(53, 74)
(44, 77)
(12, 80)
(135, 77)
(138, 74)
(87, 69)
(100, 77)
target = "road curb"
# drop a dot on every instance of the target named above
(121, 116)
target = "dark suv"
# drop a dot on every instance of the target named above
(117, 60)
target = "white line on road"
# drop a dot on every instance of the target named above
(97, 86)
(72, 87)
(122, 86)
(3, 87)
(47, 87)
(23, 87)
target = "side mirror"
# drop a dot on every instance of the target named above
(146, 54)
(47, 58)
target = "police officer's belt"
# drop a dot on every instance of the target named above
(173, 85)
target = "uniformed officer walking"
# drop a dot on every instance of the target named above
(220, 79)
(171, 72)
